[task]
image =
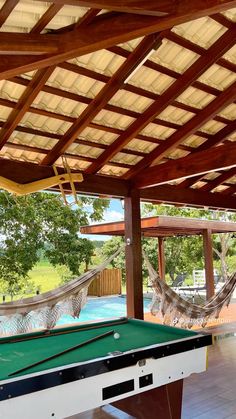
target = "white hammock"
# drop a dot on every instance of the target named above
(175, 310)
(45, 309)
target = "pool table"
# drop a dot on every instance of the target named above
(129, 361)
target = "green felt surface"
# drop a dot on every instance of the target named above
(134, 334)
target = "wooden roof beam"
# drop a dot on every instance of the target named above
(23, 172)
(213, 141)
(224, 43)
(79, 42)
(103, 97)
(172, 195)
(186, 9)
(214, 159)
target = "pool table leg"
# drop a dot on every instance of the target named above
(163, 402)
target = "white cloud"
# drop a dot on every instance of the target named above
(112, 216)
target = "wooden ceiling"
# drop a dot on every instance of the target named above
(133, 94)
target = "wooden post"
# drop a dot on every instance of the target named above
(209, 270)
(161, 257)
(133, 255)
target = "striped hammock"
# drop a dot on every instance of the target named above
(44, 310)
(176, 310)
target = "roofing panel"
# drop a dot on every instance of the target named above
(230, 14)
(112, 171)
(74, 164)
(194, 141)
(220, 188)
(229, 112)
(97, 135)
(27, 13)
(151, 80)
(126, 158)
(218, 77)
(204, 31)
(12, 91)
(103, 61)
(173, 56)
(21, 155)
(44, 123)
(24, 16)
(84, 150)
(157, 131)
(140, 145)
(195, 97)
(130, 101)
(75, 83)
(4, 113)
(113, 119)
(132, 44)
(57, 104)
(212, 127)
(177, 154)
(175, 115)
(230, 55)
(32, 140)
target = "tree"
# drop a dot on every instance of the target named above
(109, 248)
(42, 221)
(185, 253)
(182, 254)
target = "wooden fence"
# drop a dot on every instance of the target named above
(108, 282)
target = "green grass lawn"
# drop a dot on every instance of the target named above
(45, 276)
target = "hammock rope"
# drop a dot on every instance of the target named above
(176, 310)
(44, 310)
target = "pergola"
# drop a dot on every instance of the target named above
(165, 226)
(138, 97)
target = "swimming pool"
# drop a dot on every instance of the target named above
(102, 308)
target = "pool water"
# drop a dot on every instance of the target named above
(102, 308)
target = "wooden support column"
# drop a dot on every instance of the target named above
(133, 254)
(209, 270)
(161, 257)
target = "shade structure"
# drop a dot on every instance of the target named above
(163, 226)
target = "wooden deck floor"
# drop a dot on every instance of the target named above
(210, 395)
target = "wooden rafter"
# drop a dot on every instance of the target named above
(23, 104)
(46, 18)
(73, 96)
(112, 108)
(170, 194)
(214, 159)
(103, 97)
(193, 73)
(6, 10)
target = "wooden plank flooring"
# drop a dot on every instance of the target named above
(210, 395)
